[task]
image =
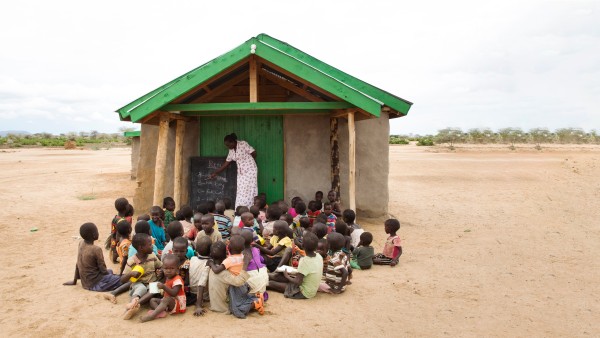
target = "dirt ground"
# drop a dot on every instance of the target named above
(496, 243)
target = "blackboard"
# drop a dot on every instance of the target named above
(203, 189)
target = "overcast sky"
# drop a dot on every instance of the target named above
(68, 65)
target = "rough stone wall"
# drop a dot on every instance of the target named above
(144, 192)
(135, 155)
(308, 162)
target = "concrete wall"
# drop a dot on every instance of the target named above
(308, 163)
(144, 192)
(135, 155)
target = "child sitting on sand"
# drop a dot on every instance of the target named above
(124, 233)
(363, 254)
(199, 273)
(121, 206)
(157, 228)
(392, 250)
(191, 235)
(180, 249)
(223, 222)
(334, 199)
(313, 211)
(273, 215)
(142, 267)
(169, 210)
(185, 218)
(174, 230)
(349, 216)
(90, 267)
(277, 245)
(331, 218)
(305, 283)
(338, 265)
(173, 300)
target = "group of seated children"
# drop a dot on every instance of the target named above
(229, 258)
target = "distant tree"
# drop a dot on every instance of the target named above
(450, 136)
(571, 135)
(511, 136)
(539, 136)
(593, 137)
(93, 134)
(481, 136)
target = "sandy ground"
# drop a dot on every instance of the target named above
(496, 243)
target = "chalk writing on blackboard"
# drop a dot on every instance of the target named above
(203, 188)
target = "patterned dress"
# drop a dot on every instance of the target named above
(247, 172)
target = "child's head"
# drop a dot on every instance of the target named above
(129, 210)
(322, 218)
(366, 238)
(202, 208)
(218, 251)
(283, 206)
(169, 203)
(341, 227)
(175, 229)
(124, 229)
(220, 207)
(208, 223)
(287, 218)
(248, 237)
(179, 216)
(319, 196)
(121, 205)
(273, 213)
(227, 202)
(304, 223)
(300, 207)
(240, 210)
(332, 195)
(320, 229)
(143, 217)
(89, 232)
(170, 266)
(186, 212)
(260, 202)
(203, 245)
(391, 226)
(349, 216)
(294, 201)
(310, 242)
(236, 244)
(336, 241)
(322, 247)
(142, 227)
(142, 243)
(327, 208)
(280, 229)
(180, 245)
(248, 219)
(211, 205)
(198, 221)
(155, 214)
(255, 210)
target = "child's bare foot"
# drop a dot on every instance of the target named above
(133, 303)
(259, 304)
(131, 312)
(110, 297)
(348, 283)
(146, 318)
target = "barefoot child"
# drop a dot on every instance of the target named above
(121, 206)
(149, 264)
(124, 233)
(142, 227)
(223, 222)
(173, 300)
(277, 245)
(199, 273)
(337, 267)
(169, 209)
(193, 233)
(363, 254)
(331, 218)
(392, 250)
(208, 229)
(90, 267)
(305, 283)
(157, 228)
(334, 199)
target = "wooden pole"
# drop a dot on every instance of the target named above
(253, 79)
(351, 161)
(161, 160)
(335, 154)
(178, 184)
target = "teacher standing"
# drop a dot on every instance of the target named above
(244, 155)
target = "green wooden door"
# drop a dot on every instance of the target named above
(264, 133)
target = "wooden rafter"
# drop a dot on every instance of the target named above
(287, 85)
(224, 87)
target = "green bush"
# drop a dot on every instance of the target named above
(396, 140)
(425, 141)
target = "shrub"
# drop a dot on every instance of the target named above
(425, 141)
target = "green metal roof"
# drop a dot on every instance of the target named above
(132, 133)
(348, 88)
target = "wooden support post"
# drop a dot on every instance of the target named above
(253, 79)
(335, 155)
(351, 161)
(178, 184)
(161, 159)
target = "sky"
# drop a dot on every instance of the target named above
(68, 65)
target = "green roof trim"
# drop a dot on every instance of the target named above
(135, 133)
(355, 92)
